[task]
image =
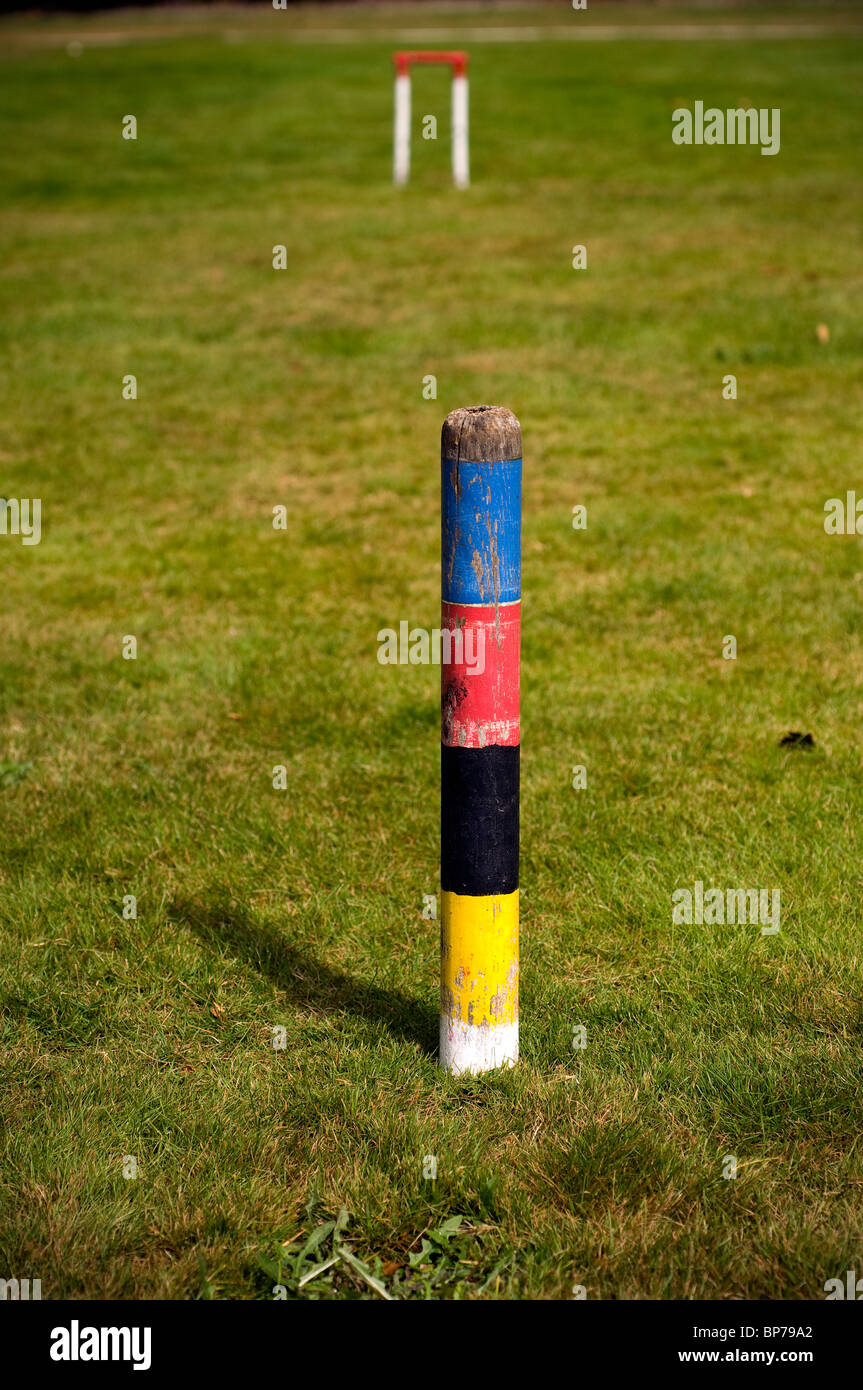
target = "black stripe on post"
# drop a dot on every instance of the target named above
(479, 820)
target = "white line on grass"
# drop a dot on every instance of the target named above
(577, 33)
(607, 32)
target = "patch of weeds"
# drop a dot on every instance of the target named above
(323, 1266)
(454, 1260)
(13, 773)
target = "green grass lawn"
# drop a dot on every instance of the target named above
(302, 908)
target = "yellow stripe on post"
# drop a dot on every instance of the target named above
(479, 979)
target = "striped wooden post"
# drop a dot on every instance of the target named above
(481, 626)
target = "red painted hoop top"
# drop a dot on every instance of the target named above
(456, 57)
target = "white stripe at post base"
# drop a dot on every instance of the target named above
(471, 1048)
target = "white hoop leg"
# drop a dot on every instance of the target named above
(460, 166)
(402, 129)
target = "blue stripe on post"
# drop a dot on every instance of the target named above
(481, 531)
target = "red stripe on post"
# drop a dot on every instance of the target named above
(480, 675)
(455, 56)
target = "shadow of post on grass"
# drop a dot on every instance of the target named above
(307, 981)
